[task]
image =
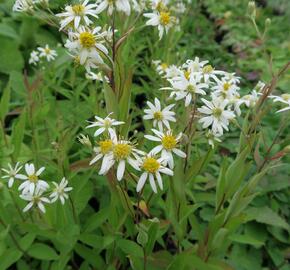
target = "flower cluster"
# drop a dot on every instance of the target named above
(33, 188)
(41, 53)
(28, 5)
(115, 151)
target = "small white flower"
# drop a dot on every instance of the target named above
(208, 72)
(78, 13)
(232, 78)
(120, 5)
(35, 199)
(34, 58)
(12, 173)
(285, 99)
(152, 168)
(23, 5)
(31, 180)
(216, 115)
(163, 20)
(194, 65)
(212, 137)
(225, 88)
(251, 99)
(47, 53)
(96, 76)
(169, 144)
(105, 125)
(159, 116)
(60, 191)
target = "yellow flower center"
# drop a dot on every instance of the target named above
(226, 86)
(191, 88)
(122, 150)
(164, 66)
(158, 116)
(33, 178)
(187, 74)
(87, 40)
(47, 50)
(107, 123)
(106, 146)
(169, 142)
(151, 165)
(207, 69)
(78, 9)
(164, 18)
(217, 112)
(286, 97)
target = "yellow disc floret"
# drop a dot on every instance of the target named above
(207, 69)
(226, 86)
(151, 165)
(122, 150)
(158, 115)
(87, 39)
(187, 74)
(106, 146)
(285, 97)
(164, 66)
(33, 178)
(78, 9)
(164, 18)
(217, 112)
(169, 142)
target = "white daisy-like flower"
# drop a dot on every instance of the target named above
(34, 58)
(152, 169)
(212, 138)
(216, 115)
(186, 87)
(225, 88)
(250, 100)
(160, 67)
(78, 14)
(232, 78)
(23, 5)
(119, 5)
(35, 199)
(173, 71)
(60, 191)
(163, 20)
(96, 76)
(47, 53)
(194, 65)
(87, 43)
(12, 173)
(32, 180)
(106, 124)
(169, 144)
(284, 98)
(208, 72)
(159, 116)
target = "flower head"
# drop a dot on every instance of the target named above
(47, 53)
(12, 173)
(60, 191)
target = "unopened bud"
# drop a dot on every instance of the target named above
(252, 9)
(287, 149)
(267, 22)
(83, 139)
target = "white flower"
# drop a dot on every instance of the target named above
(105, 125)
(251, 99)
(208, 72)
(60, 191)
(35, 199)
(34, 58)
(12, 173)
(285, 99)
(168, 145)
(163, 20)
(116, 151)
(160, 116)
(96, 76)
(46, 52)
(216, 115)
(31, 180)
(212, 137)
(120, 5)
(78, 13)
(86, 43)
(194, 65)
(232, 78)
(186, 87)
(225, 88)
(23, 5)
(152, 168)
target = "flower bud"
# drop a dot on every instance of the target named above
(84, 140)
(287, 149)
(267, 22)
(252, 9)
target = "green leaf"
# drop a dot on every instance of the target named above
(130, 248)
(18, 134)
(9, 257)
(42, 252)
(246, 239)
(96, 220)
(4, 103)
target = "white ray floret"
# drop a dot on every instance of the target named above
(119, 5)
(47, 53)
